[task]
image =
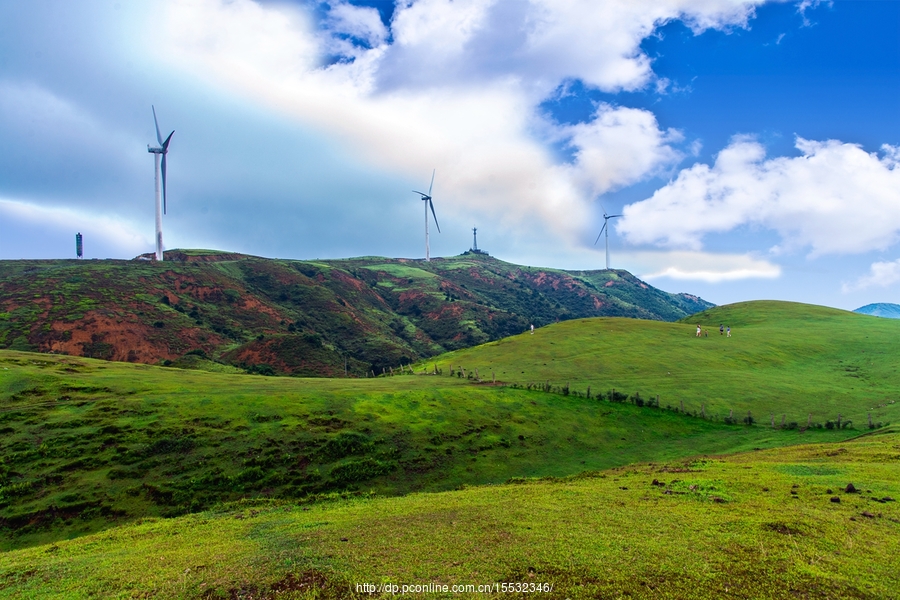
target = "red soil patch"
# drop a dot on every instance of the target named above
(130, 341)
(412, 296)
(352, 282)
(445, 311)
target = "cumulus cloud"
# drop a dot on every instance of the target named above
(455, 85)
(833, 199)
(881, 274)
(619, 146)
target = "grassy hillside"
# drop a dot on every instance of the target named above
(88, 444)
(304, 318)
(783, 358)
(763, 525)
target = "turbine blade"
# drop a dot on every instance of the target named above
(424, 195)
(431, 204)
(164, 179)
(604, 209)
(165, 144)
(432, 182)
(601, 233)
(613, 216)
(155, 122)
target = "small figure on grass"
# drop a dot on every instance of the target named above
(728, 334)
(532, 329)
(721, 329)
(699, 331)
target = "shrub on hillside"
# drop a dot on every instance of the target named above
(360, 470)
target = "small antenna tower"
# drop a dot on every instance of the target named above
(79, 247)
(474, 249)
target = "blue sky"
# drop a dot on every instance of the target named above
(751, 146)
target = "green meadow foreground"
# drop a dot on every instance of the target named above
(123, 480)
(801, 361)
(756, 525)
(87, 444)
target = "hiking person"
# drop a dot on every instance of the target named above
(729, 331)
(532, 329)
(721, 329)
(699, 331)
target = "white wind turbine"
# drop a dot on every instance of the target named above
(162, 150)
(428, 204)
(605, 227)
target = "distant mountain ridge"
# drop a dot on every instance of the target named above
(880, 309)
(322, 317)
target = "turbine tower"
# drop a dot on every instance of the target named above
(475, 239)
(163, 149)
(605, 227)
(426, 198)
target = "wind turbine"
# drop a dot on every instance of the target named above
(605, 227)
(426, 198)
(163, 149)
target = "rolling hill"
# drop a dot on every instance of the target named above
(87, 444)
(300, 317)
(806, 363)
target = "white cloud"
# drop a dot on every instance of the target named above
(457, 90)
(834, 199)
(804, 5)
(618, 147)
(362, 23)
(702, 266)
(881, 274)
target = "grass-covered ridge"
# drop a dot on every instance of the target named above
(783, 359)
(757, 525)
(305, 318)
(87, 444)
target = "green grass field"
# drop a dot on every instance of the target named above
(124, 480)
(756, 525)
(89, 444)
(782, 359)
